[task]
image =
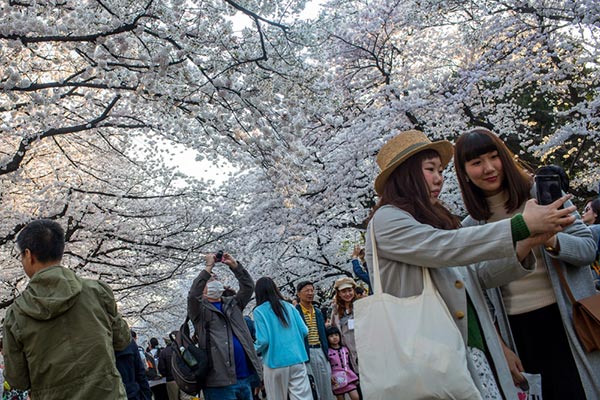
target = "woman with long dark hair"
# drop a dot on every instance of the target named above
(416, 235)
(280, 333)
(534, 313)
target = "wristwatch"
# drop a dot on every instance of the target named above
(552, 250)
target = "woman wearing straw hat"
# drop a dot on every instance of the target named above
(414, 230)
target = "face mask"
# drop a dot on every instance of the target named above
(214, 289)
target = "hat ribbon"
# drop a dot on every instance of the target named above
(406, 150)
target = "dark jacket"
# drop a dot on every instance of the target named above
(320, 328)
(132, 373)
(164, 363)
(222, 326)
(361, 273)
(60, 338)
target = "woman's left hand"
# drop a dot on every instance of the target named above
(526, 245)
(514, 364)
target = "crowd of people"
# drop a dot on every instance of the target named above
(495, 272)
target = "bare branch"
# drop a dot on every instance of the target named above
(25, 143)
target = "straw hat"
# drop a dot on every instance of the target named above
(344, 283)
(401, 147)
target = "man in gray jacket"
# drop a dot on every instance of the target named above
(220, 318)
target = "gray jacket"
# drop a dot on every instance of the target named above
(404, 245)
(222, 326)
(595, 232)
(577, 251)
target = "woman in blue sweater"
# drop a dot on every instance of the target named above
(280, 333)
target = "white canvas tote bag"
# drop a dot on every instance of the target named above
(409, 348)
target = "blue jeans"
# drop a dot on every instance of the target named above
(238, 391)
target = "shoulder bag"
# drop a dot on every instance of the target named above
(409, 348)
(189, 363)
(586, 314)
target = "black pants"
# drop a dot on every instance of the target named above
(544, 349)
(159, 392)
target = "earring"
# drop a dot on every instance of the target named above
(467, 179)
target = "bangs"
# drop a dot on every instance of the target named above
(475, 144)
(427, 154)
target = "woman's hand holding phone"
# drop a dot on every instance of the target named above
(548, 219)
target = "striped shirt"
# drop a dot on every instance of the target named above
(311, 321)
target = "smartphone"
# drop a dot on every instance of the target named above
(548, 189)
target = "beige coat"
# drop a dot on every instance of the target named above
(404, 245)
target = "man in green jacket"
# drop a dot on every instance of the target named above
(60, 335)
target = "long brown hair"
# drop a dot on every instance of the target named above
(516, 183)
(407, 189)
(340, 305)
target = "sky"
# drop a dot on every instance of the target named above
(187, 163)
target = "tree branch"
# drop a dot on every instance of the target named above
(25, 143)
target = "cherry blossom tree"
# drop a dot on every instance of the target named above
(527, 70)
(99, 97)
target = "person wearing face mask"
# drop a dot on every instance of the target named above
(232, 353)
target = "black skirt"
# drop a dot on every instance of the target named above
(544, 349)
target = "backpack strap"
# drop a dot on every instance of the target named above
(185, 329)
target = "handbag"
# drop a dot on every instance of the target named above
(189, 363)
(533, 388)
(342, 378)
(409, 348)
(586, 314)
(341, 374)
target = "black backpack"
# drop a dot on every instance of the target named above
(150, 366)
(189, 363)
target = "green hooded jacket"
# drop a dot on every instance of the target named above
(60, 336)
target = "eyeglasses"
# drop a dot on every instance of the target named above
(16, 253)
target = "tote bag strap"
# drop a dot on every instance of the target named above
(376, 279)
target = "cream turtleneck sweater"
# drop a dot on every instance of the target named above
(533, 291)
